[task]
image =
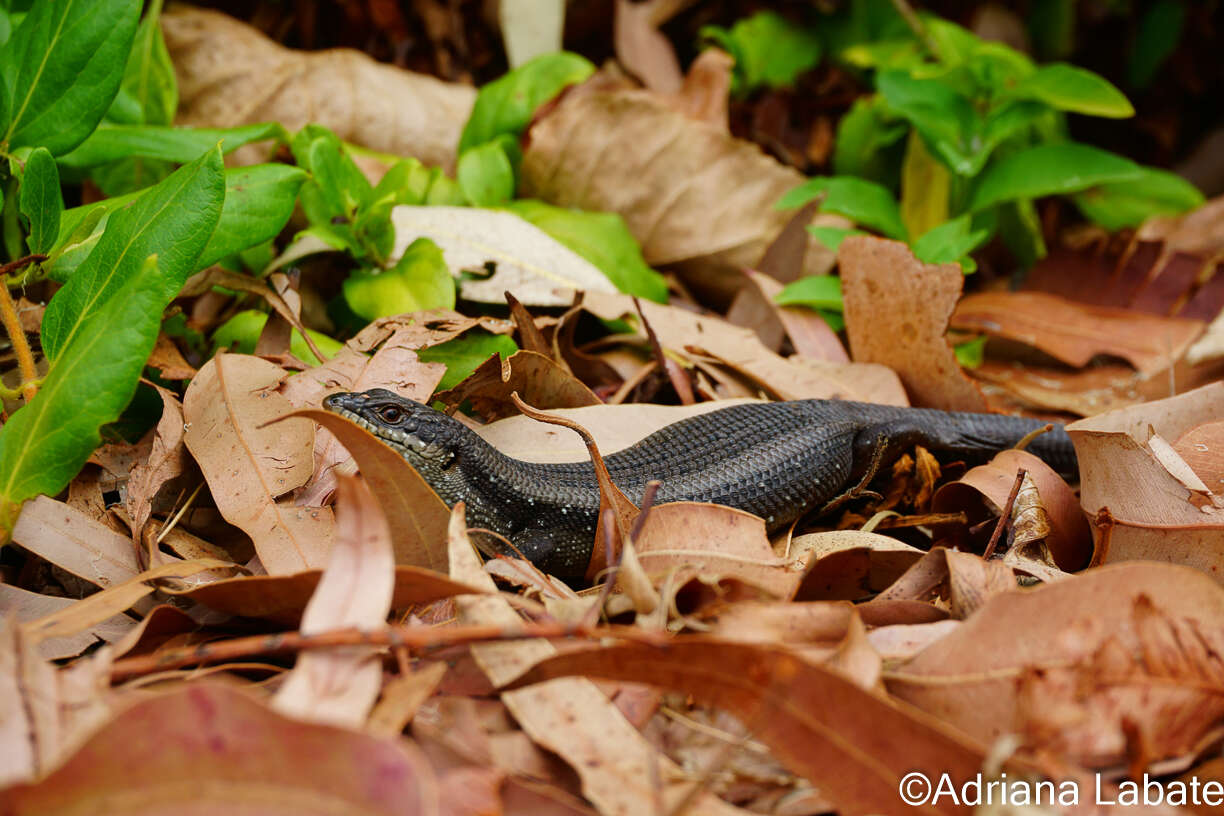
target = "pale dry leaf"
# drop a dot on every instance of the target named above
(338, 686)
(849, 565)
(28, 606)
(698, 195)
(69, 539)
(902, 641)
(570, 717)
(230, 74)
(401, 697)
(532, 265)
(249, 464)
(16, 729)
(705, 94)
(530, 28)
(643, 50)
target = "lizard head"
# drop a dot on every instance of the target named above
(428, 439)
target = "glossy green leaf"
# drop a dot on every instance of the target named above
(863, 134)
(172, 220)
(258, 202)
(813, 291)
(831, 237)
(148, 94)
(419, 280)
(971, 353)
(945, 118)
(62, 68)
(463, 354)
(1073, 89)
(336, 186)
(41, 201)
(601, 238)
(507, 104)
(1129, 204)
(241, 332)
(486, 175)
(862, 201)
(950, 242)
(1049, 169)
(179, 145)
(769, 50)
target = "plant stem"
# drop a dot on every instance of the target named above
(911, 19)
(12, 324)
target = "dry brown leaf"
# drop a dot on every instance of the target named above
(401, 697)
(965, 579)
(900, 642)
(25, 606)
(16, 729)
(248, 464)
(168, 360)
(620, 771)
(1070, 539)
(699, 195)
(1084, 666)
(282, 598)
(1198, 231)
(1138, 507)
(1202, 448)
(422, 329)
(643, 50)
(848, 565)
(536, 378)
(417, 516)
(213, 749)
(808, 332)
(685, 540)
(897, 312)
(230, 74)
(339, 686)
(69, 539)
(789, 378)
(1075, 333)
(167, 459)
(854, 745)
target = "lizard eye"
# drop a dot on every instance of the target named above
(391, 414)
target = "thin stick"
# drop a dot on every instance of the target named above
(12, 325)
(1005, 516)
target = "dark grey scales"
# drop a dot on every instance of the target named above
(777, 459)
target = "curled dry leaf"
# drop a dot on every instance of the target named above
(985, 489)
(699, 197)
(897, 312)
(248, 464)
(1139, 502)
(739, 349)
(620, 771)
(535, 377)
(855, 746)
(809, 334)
(965, 579)
(214, 749)
(848, 565)
(1075, 333)
(230, 74)
(24, 606)
(167, 459)
(685, 540)
(339, 686)
(642, 49)
(1085, 667)
(417, 516)
(537, 268)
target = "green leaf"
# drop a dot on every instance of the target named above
(336, 186)
(486, 174)
(950, 242)
(863, 134)
(179, 145)
(172, 220)
(1049, 169)
(507, 104)
(463, 354)
(971, 353)
(831, 237)
(149, 88)
(241, 332)
(1158, 34)
(63, 68)
(1073, 89)
(813, 291)
(864, 202)
(769, 50)
(1129, 204)
(945, 118)
(1051, 25)
(258, 202)
(41, 201)
(1020, 229)
(420, 280)
(601, 238)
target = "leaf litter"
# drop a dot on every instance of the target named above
(365, 660)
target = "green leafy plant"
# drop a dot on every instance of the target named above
(769, 50)
(86, 90)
